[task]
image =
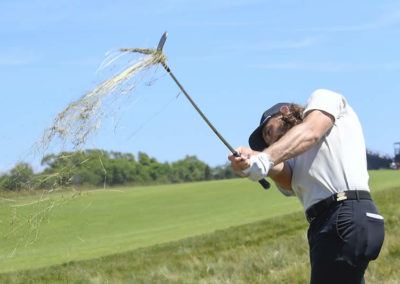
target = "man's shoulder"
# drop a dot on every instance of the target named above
(326, 100)
(326, 93)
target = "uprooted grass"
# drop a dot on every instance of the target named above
(270, 251)
(82, 117)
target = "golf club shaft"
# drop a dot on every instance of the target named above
(235, 153)
(263, 182)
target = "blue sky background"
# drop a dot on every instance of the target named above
(235, 58)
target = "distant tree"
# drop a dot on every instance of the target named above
(229, 172)
(224, 172)
(219, 172)
(207, 173)
(4, 181)
(144, 159)
(188, 169)
(20, 177)
(376, 161)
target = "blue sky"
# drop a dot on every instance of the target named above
(235, 58)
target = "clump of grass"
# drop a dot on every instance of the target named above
(83, 117)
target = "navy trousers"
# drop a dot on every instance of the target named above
(342, 240)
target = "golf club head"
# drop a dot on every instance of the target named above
(162, 41)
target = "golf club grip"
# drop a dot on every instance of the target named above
(264, 183)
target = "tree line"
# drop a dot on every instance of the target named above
(375, 161)
(102, 168)
(94, 168)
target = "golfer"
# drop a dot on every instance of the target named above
(318, 154)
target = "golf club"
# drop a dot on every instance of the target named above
(160, 46)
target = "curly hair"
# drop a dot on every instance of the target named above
(293, 117)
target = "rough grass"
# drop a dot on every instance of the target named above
(269, 251)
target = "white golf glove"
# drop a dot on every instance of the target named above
(259, 167)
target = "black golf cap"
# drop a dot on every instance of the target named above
(256, 140)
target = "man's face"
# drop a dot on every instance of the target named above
(273, 130)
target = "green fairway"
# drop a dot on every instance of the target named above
(102, 222)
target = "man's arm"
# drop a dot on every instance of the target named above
(281, 174)
(301, 137)
(296, 141)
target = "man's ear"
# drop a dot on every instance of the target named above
(284, 110)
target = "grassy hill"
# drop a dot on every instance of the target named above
(231, 230)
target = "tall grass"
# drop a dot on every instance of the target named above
(273, 250)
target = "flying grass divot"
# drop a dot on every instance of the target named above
(83, 117)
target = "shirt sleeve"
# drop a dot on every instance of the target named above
(286, 192)
(325, 100)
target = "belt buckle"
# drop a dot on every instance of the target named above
(341, 196)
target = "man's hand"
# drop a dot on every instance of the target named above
(251, 164)
(239, 164)
(259, 167)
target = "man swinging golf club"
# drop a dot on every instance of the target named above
(318, 154)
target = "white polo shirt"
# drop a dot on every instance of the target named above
(338, 161)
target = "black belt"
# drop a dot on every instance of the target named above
(315, 210)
